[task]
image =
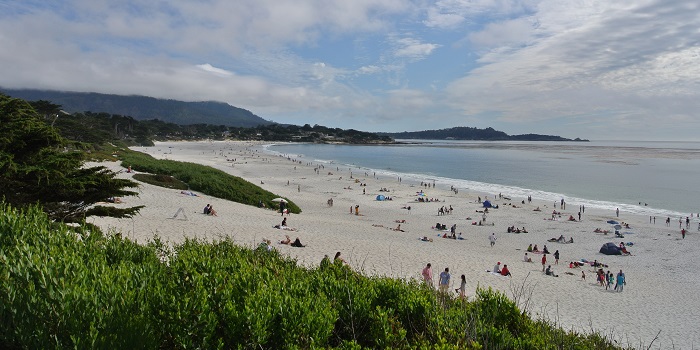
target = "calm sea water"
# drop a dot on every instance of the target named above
(603, 174)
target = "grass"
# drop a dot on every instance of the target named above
(210, 181)
(162, 181)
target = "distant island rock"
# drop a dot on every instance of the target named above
(469, 133)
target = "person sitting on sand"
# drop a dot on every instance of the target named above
(206, 209)
(398, 228)
(549, 271)
(286, 240)
(212, 212)
(545, 250)
(497, 268)
(505, 271)
(537, 209)
(571, 218)
(297, 243)
(571, 240)
(338, 258)
(529, 248)
(426, 239)
(527, 258)
(535, 249)
(623, 249)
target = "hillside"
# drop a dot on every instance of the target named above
(145, 108)
(469, 133)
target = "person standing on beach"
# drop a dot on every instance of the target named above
(445, 280)
(544, 260)
(620, 281)
(556, 258)
(683, 233)
(617, 212)
(492, 238)
(428, 275)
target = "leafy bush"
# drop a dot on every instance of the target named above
(67, 288)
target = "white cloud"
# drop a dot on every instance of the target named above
(530, 63)
(413, 48)
(505, 33)
(371, 69)
(630, 63)
(211, 69)
(451, 13)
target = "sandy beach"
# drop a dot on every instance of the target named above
(660, 296)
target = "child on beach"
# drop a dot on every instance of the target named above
(544, 260)
(462, 287)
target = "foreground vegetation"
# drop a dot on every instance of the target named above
(210, 181)
(38, 165)
(65, 289)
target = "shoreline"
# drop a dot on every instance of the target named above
(485, 188)
(657, 272)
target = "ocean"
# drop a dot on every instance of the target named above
(647, 178)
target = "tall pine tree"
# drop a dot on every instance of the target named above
(36, 166)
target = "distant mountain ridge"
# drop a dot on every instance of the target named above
(145, 108)
(470, 133)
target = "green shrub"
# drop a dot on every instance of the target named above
(67, 288)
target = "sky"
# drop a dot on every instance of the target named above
(599, 70)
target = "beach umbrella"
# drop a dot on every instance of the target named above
(617, 227)
(280, 200)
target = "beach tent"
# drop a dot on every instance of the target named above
(610, 249)
(487, 204)
(381, 197)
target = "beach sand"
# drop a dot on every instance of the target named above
(660, 296)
